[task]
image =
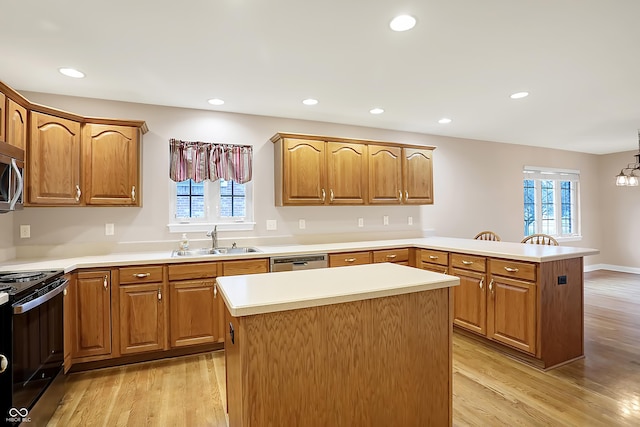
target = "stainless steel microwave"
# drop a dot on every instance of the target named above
(11, 177)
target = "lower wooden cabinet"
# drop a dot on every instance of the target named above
(93, 314)
(432, 260)
(142, 318)
(469, 301)
(194, 313)
(69, 320)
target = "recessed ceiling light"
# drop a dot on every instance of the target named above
(215, 101)
(376, 111)
(519, 95)
(402, 23)
(310, 101)
(444, 121)
(71, 72)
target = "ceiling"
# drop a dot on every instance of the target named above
(579, 59)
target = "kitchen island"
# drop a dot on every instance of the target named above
(356, 345)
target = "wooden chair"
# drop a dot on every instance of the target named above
(540, 239)
(487, 235)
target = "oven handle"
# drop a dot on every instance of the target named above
(23, 308)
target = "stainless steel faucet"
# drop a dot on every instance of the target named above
(214, 237)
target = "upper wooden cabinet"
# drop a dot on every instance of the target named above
(110, 155)
(320, 170)
(16, 124)
(3, 113)
(53, 167)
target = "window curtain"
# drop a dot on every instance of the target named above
(201, 161)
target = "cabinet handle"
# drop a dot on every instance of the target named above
(64, 292)
(133, 193)
(349, 259)
(392, 256)
(465, 262)
(159, 295)
(400, 195)
(331, 195)
(142, 275)
(482, 283)
(433, 257)
(491, 286)
(445, 271)
(215, 290)
(406, 196)
(78, 193)
(324, 195)
(104, 282)
(511, 269)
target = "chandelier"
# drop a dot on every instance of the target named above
(630, 179)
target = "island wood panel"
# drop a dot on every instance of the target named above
(344, 364)
(561, 311)
(16, 125)
(347, 173)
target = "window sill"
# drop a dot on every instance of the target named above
(206, 227)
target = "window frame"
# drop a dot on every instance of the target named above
(538, 175)
(212, 211)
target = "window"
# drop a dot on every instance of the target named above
(551, 202)
(200, 206)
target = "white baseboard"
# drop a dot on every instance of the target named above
(611, 267)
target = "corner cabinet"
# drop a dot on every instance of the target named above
(320, 170)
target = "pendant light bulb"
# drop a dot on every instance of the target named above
(622, 180)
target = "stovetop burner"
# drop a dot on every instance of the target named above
(26, 276)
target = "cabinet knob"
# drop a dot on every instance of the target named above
(78, 193)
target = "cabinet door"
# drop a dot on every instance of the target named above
(142, 318)
(93, 314)
(194, 313)
(54, 161)
(304, 174)
(3, 114)
(470, 302)
(69, 320)
(511, 313)
(435, 268)
(417, 176)
(111, 165)
(16, 124)
(385, 175)
(347, 173)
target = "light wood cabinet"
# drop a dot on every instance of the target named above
(16, 125)
(385, 175)
(396, 256)
(432, 260)
(252, 266)
(69, 320)
(142, 309)
(469, 301)
(322, 170)
(417, 176)
(195, 305)
(110, 156)
(349, 258)
(53, 169)
(3, 114)
(93, 314)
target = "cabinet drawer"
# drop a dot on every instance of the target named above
(391, 255)
(349, 258)
(236, 268)
(438, 268)
(141, 274)
(434, 257)
(469, 262)
(515, 269)
(193, 270)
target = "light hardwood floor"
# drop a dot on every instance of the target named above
(489, 389)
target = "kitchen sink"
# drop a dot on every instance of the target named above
(216, 251)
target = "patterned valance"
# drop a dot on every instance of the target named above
(203, 160)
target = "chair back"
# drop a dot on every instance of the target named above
(540, 239)
(487, 235)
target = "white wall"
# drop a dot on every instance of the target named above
(478, 186)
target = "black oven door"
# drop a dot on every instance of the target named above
(37, 347)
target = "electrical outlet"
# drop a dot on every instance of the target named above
(562, 280)
(385, 220)
(272, 224)
(302, 224)
(409, 220)
(360, 222)
(109, 229)
(25, 231)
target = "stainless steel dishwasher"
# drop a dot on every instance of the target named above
(299, 262)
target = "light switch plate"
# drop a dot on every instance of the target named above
(272, 224)
(25, 231)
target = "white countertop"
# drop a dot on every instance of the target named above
(516, 251)
(4, 297)
(289, 290)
